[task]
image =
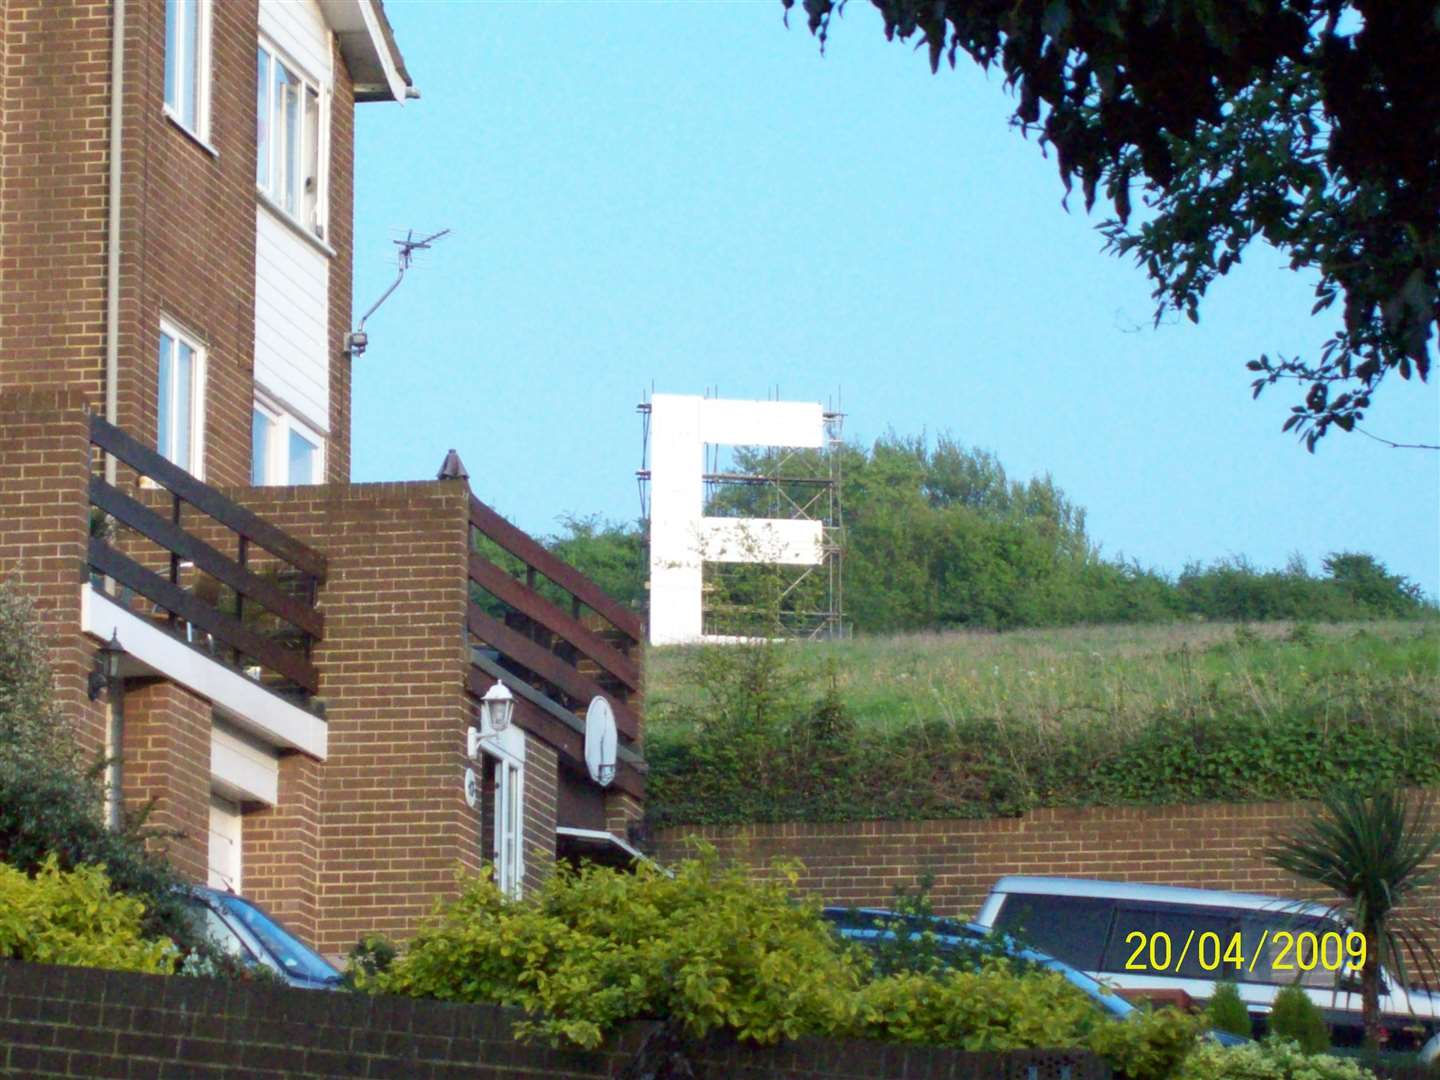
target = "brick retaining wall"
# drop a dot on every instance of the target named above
(1206, 845)
(57, 1021)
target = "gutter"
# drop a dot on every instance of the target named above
(112, 244)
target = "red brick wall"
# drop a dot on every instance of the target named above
(187, 245)
(1211, 846)
(54, 127)
(44, 531)
(542, 795)
(390, 798)
(166, 745)
(280, 847)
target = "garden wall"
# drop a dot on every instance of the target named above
(1205, 845)
(58, 1021)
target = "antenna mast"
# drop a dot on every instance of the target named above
(356, 342)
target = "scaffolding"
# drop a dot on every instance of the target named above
(762, 599)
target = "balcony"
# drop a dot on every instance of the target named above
(203, 591)
(554, 638)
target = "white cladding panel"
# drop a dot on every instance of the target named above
(761, 423)
(298, 28)
(292, 317)
(762, 540)
(242, 767)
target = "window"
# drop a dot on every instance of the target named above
(187, 64)
(290, 139)
(284, 449)
(1070, 928)
(179, 428)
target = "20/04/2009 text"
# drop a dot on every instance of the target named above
(1303, 951)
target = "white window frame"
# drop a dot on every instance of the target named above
(506, 754)
(277, 462)
(175, 110)
(178, 334)
(269, 186)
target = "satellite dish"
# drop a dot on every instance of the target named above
(600, 741)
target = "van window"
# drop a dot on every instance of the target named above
(1070, 928)
(1163, 949)
(1290, 951)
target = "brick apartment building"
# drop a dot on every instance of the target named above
(304, 658)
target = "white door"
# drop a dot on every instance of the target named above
(224, 843)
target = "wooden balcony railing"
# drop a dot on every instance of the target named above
(549, 640)
(257, 606)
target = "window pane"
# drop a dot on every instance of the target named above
(166, 405)
(1069, 928)
(262, 118)
(172, 42)
(312, 159)
(303, 455)
(287, 91)
(261, 428)
(184, 404)
(190, 60)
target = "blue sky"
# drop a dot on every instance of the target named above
(688, 195)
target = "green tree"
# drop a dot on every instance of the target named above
(1309, 124)
(1372, 853)
(1295, 1017)
(1226, 1010)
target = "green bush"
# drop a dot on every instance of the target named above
(1226, 1011)
(73, 917)
(753, 733)
(1273, 1059)
(711, 949)
(1295, 1017)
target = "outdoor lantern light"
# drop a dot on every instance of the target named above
(107, 667)
(496, 709)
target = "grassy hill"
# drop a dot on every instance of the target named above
(972, 723)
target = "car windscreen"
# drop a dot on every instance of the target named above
(293, 955)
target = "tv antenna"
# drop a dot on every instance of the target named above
(356, 341)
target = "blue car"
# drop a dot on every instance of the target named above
(241, 929)
(968, 942)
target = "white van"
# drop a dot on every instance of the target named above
(1133, 936)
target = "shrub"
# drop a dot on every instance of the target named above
(1273, 1059)
(711, 949)
(1295, 1017)
(51, 812)
(73, 917)
(1226, 1010)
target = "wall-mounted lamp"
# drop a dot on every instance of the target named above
(496, 709)
(107, 667)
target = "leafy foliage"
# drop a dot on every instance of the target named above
(711, 949)
(1295, 1017)
(31, 727)
(50, 803)
(1226, 1010)
(1272, 1059)
(1309, 124)
(938, 536)
(1373, 848)
(73, 917)
(759, 734)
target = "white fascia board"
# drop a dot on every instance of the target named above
(602, 837)
(241, 768)
(762, 540)
(357, 23)
(388, 62)
(248, 704)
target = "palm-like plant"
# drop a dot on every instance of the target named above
(1373, 851)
